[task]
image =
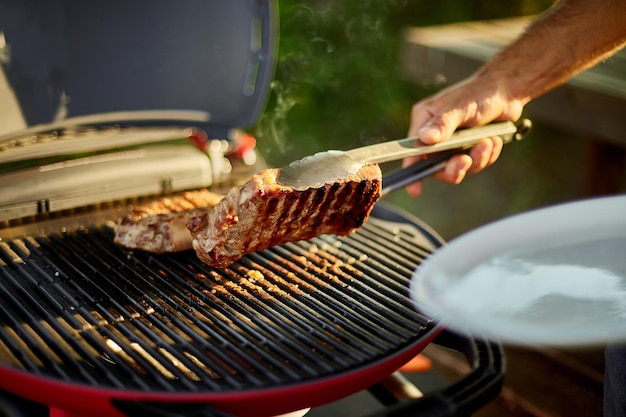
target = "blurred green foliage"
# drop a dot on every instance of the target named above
(337, 83)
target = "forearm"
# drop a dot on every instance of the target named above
(573, 36)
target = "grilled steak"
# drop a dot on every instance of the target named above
(160, 226)
(262, 213)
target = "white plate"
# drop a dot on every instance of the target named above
(552, 276)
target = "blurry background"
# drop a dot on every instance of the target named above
(338, 85)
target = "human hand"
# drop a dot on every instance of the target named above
(473, 102)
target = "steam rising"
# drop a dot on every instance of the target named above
(274, 129)
(337, 84)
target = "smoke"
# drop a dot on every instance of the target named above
(273, 128)
(336, 84)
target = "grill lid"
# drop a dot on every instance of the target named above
(117, 77)
(66, 59)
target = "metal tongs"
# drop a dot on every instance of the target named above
(437, 161)
(326, 167)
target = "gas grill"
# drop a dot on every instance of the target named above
(88, 328)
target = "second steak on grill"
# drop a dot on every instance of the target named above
(263, 213)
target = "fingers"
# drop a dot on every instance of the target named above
(455, 170)
(483, 154)
(414, 189)
(467, 104)
(430, 127)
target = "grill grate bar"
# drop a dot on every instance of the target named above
(19, 337)
(357, 306)
(401, 257)
(49, 350)
(81, 309)
(174, 276)
(319, 316)
(164, 305)
(352, 316)
(388, 267)
(66, 312)
(234, 313)
(292, 314)
(347, 349)
(382, 267)
(100, 342)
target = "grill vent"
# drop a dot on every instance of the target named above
(79, 309)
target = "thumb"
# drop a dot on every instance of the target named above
(436, 130)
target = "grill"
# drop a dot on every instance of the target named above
(79, 309)
(294, 326)
(88, 328)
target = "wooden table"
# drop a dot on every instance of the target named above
(591, 105)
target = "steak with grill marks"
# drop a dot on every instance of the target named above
(262, 213)
(161, 226)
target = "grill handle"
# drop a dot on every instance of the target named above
(467, 395)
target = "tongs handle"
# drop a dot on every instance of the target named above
(436, 162)
(416, 172)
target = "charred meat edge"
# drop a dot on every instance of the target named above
(161, 226)
(262, 213)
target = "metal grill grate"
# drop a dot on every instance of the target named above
(77, 308)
